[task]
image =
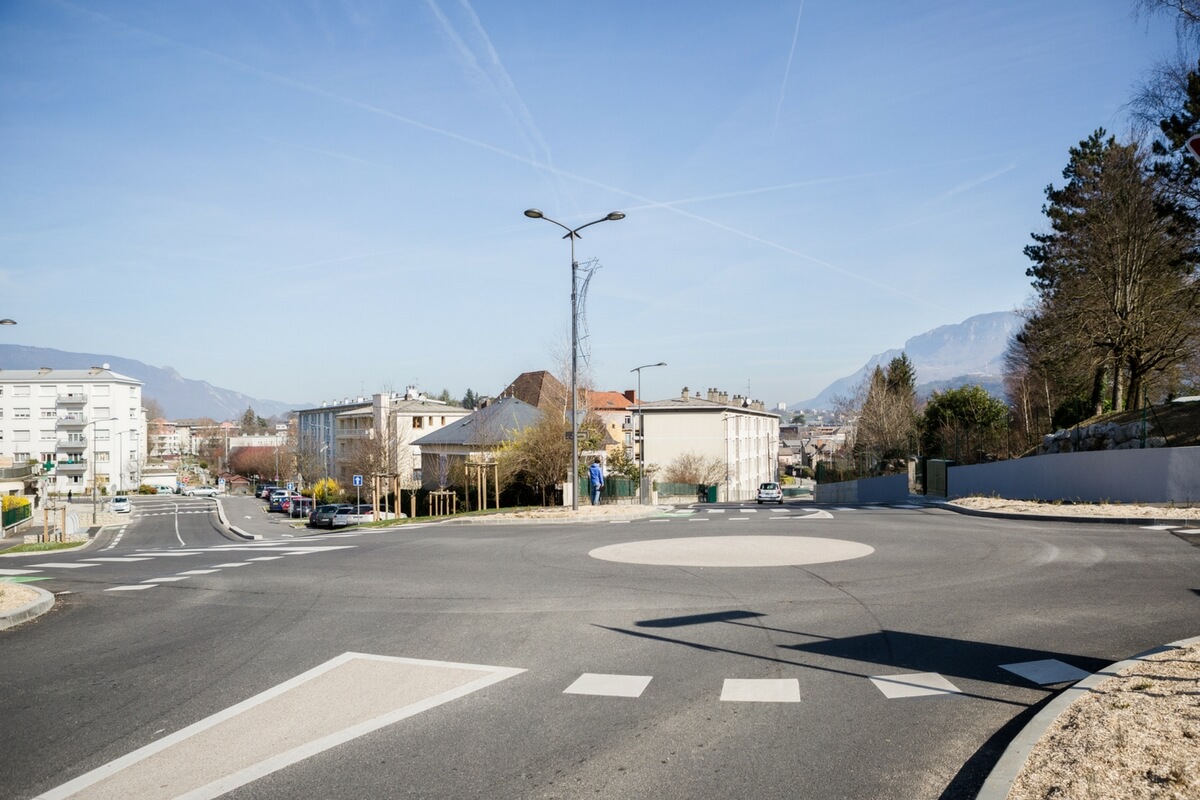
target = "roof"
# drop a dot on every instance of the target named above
(605, 401)
(693, 403)
(489, 426)
(48, 375)
(539, 389)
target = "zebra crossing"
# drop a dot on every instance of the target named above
(899, 686)
(274, 551)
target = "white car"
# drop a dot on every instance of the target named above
(202, 491)
(120, 505)
(770, 493)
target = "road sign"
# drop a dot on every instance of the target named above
(291, 486)
(221, 482)
(358, 480)
(1193, 146)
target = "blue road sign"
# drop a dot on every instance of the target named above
(358, 480)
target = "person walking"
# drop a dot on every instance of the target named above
(596, 479)
(68, 495)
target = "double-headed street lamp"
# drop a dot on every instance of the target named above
(641, 432)
(8, 322)
(573, 234)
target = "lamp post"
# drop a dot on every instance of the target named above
(8, 322)
(573, 234)
(94, 462)
(641, 432)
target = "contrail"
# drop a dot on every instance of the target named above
(787, 71)
(385, 113)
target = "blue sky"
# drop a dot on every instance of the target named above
(210, 184)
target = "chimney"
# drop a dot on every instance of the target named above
(43, 370)
(684, 395)
(712, 395)
(631, 395)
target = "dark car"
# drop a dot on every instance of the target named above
(322, 516)
(300, 507)
(264, 490)
(279, 501)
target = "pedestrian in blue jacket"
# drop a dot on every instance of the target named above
(596, 479)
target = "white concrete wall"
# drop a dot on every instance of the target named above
(1156, 475)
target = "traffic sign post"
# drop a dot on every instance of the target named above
(357, 481)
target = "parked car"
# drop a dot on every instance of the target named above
(352, 515)
(322, 516)
(202, 491)
(264, 490)
(120, 504)
(770, 493)
(299, 507)
(278, 502)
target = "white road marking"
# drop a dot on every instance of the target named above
(120, 559)
(265, 558)
(593, 683)
(763, 690)
(62, 565)
(166, 580)
(1046, 671)
(1159, 527)
(919, 684)
(344, 698)
(19, 571)
(232, 564)
(134, 588)
(200, 572)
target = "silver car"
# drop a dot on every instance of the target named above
(770, 493)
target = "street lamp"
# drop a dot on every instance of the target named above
(573, 234)
(8, 322)
(641, 432)
(94, 462)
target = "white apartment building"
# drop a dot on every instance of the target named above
(340, 431)
(741, 434)
(88, 423)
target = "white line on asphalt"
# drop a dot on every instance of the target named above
(61, 565)
(134, 588)
(120, 559)
(326, 706)
(199, 572)
(232, 564)
(764, 690)
(18, 571)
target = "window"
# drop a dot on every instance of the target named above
(20, 391)
(20, 413)
(101, 435)
(48, 391)
(417, 422)
(101, 411)
(100, 390)
(48, 457)
(49, 436)
(20, 458)
(102, 456)
(20, 436)
(49, 413)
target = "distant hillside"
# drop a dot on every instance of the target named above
(946, 357)
(180, 397)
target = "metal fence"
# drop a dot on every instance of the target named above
(14, 515)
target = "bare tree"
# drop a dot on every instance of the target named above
(696, 469)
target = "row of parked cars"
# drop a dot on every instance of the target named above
(297, 506)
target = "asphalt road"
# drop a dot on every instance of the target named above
(506, 661)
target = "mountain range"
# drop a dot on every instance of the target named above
(971, 352)
(946, 357)
(180, 397)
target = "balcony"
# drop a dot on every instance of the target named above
(72, 399)
(72, 420)
(72, 444)
(71, 467)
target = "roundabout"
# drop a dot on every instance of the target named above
(733, 551)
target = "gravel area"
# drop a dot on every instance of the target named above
(1079, 509)
(15, 595)
(1135, 736)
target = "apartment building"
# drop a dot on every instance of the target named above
(348, 434)
(88, 424)
(742, 434)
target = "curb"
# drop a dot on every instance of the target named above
(976, 512)
(564, 519)
(35, 608)
(235, 531)
(1008, 767)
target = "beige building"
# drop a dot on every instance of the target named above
(348, 437)
(742, 434)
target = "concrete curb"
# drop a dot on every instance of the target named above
(999, 782)
(36, 608)
(235, 531)
(976, 512)
(563, 518)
